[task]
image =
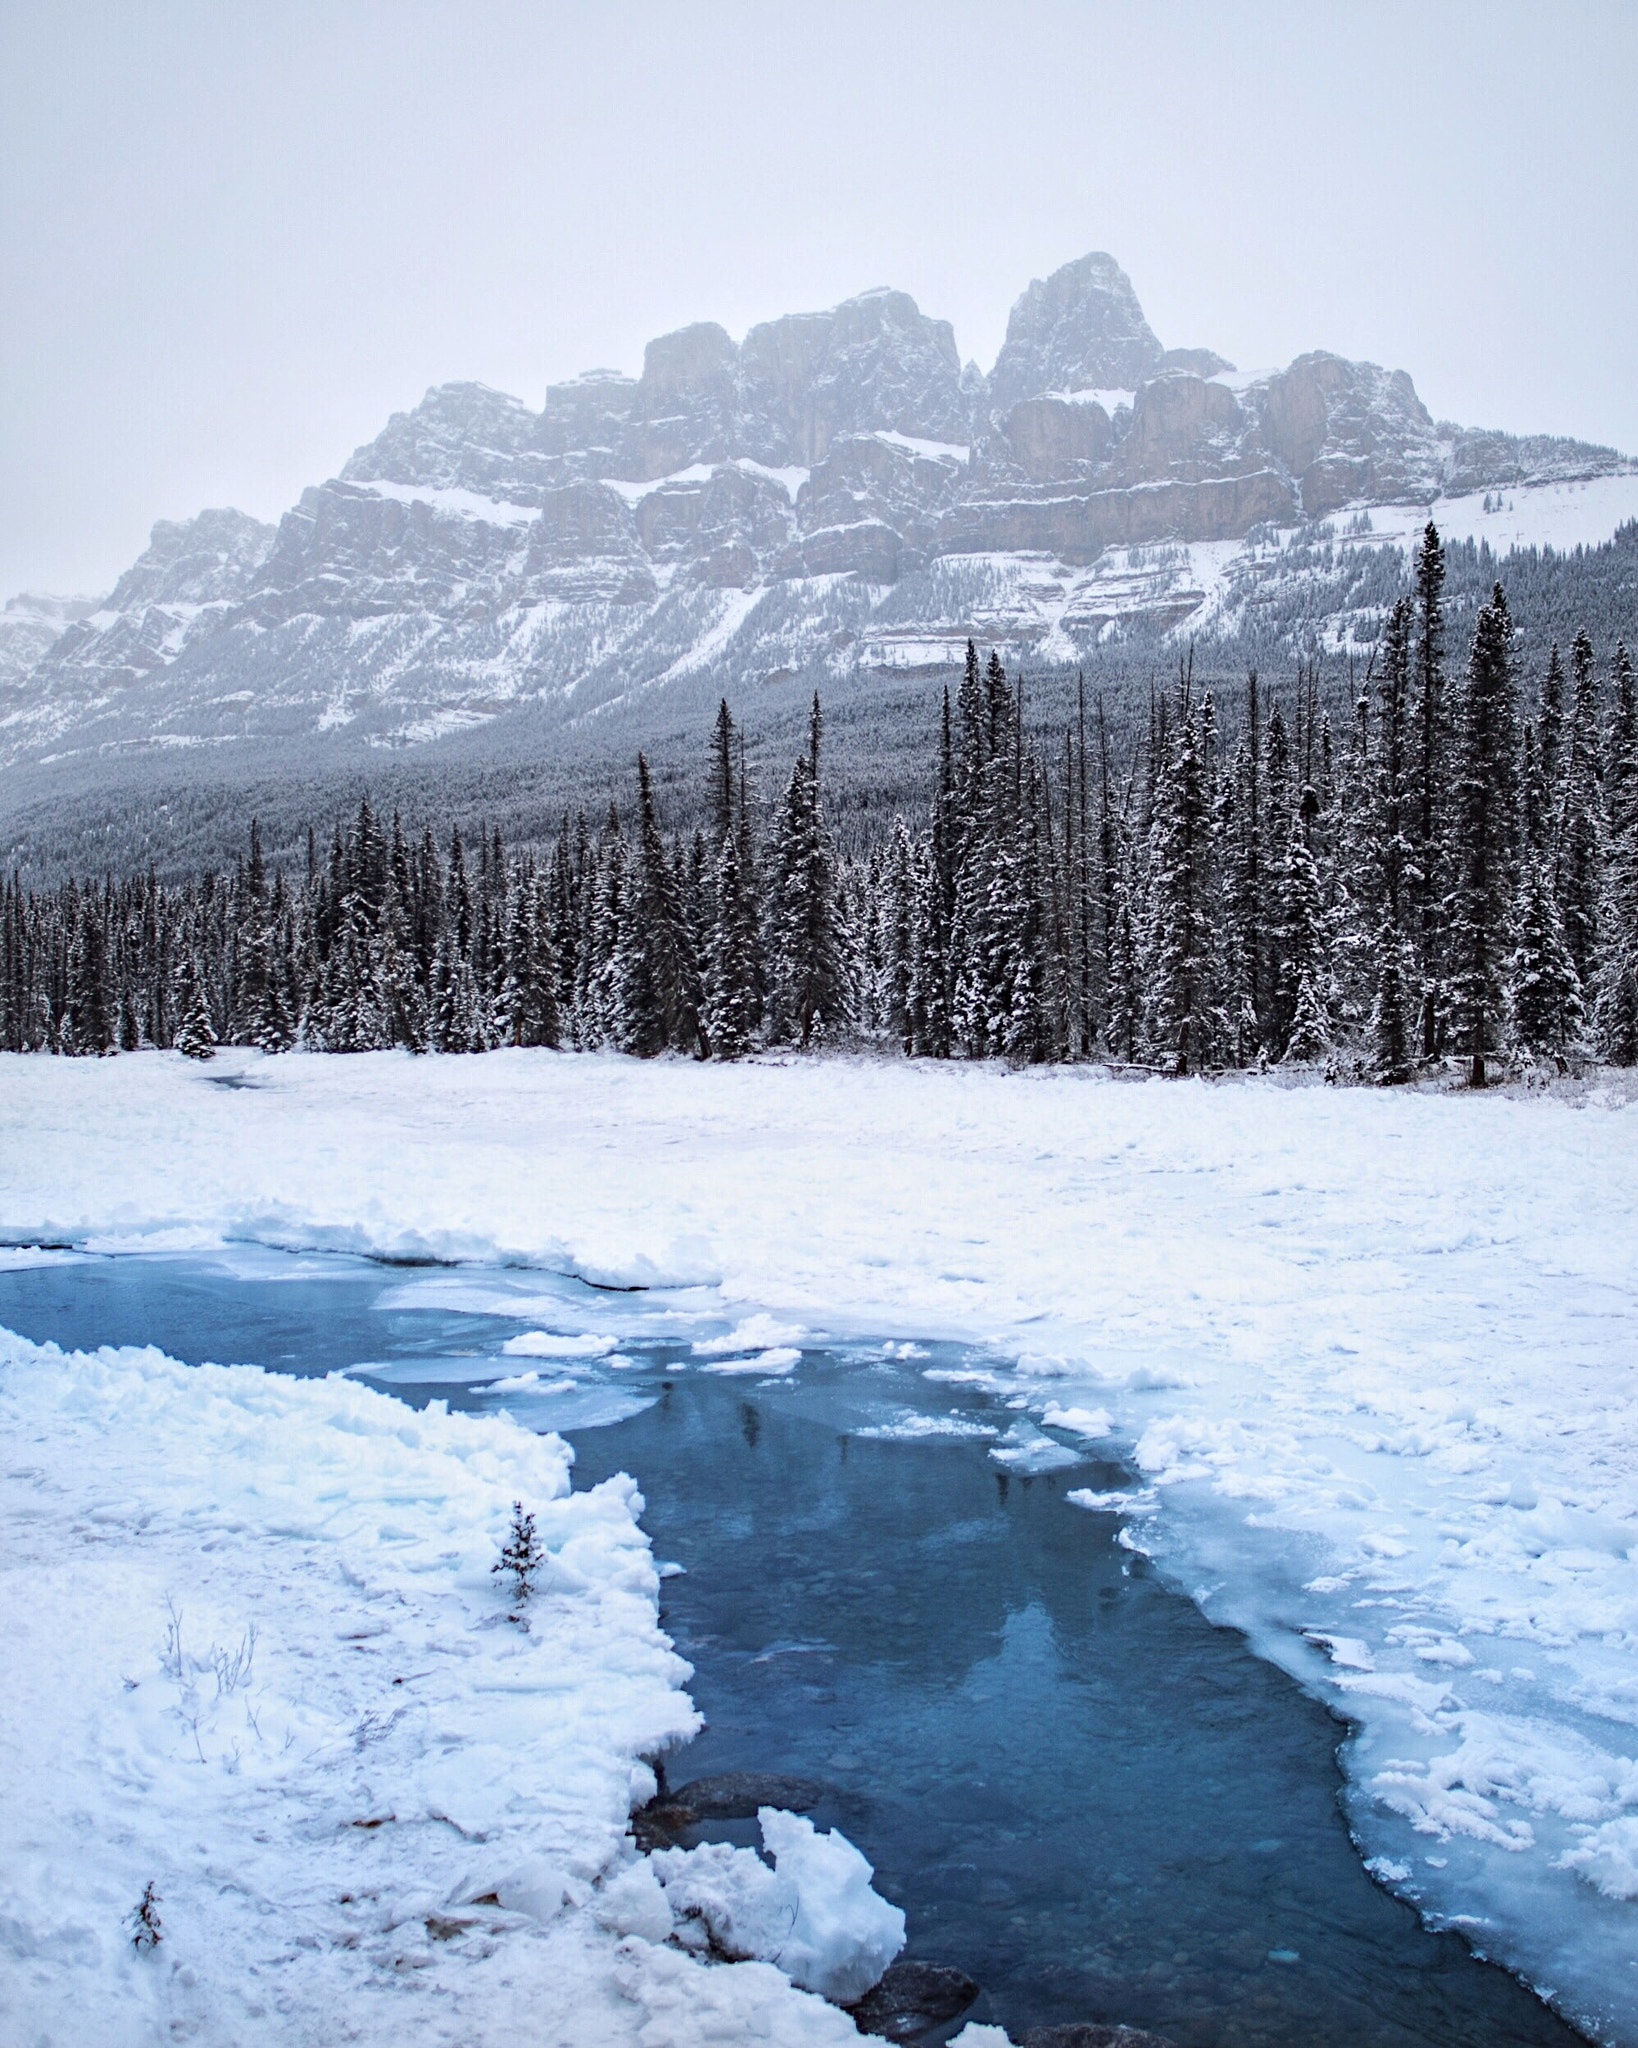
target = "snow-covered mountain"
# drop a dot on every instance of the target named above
(836, 494)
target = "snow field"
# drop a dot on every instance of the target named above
(1371, 1353)
(256, 1655)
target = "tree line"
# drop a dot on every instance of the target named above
(1450, 876)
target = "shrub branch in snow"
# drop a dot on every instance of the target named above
(147, 1931)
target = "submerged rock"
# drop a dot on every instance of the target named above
(731, 1795)
(1092, 2034)
(912, 1998)
(737, 1795)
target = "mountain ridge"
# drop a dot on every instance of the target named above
(836, 493)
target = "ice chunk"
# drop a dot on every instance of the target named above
(815, 1914)
(846, 1933)
(1608, 1858)
(1088, 1422)
(755, 1333)
(780, 1359)
(553, 1344)
(1134, 1502)
(536, 1886)
(1025, 1448)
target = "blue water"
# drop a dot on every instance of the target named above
(1082, 1794)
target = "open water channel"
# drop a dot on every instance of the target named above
(1084, 1795)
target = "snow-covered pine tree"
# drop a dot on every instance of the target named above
(1544, 987)
(1550, 737)
(1304, 982)
(196, 1036)
(1579, 849)
(1483, 841)
(1239, 825)
(1388, 817)
(531, 962)
(598, 1001)
(1615, 978)
(90, 1021)
(899, 961)
(1425, 873)
(522, 1556)
(932, 1022)
(657, 1008)
(733, 1004)
(809, 997)
(1187, 1019)
(721, 792)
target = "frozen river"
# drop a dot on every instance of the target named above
(1083, 1795)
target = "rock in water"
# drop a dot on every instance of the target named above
(913, 1997)
(738, 1795)
(730, 1795)
(1091, 2034)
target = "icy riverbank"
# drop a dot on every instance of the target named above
(256, 1657)
(1373, 1352)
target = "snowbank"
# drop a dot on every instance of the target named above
(1372, 1352)
(256, 1657)
(815, 1914)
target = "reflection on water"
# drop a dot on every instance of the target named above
(1082, 1794)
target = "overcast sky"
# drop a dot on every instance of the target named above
(235, 236)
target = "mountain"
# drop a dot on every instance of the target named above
(30, 625)
(833, 498)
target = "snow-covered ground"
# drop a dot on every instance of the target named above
(257, 1658)
(1373, 1356)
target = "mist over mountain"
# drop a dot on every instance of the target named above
(834, 502)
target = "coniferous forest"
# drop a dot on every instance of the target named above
(1444, 874)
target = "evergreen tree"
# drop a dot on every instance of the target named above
(196, 1037)
(1545, 988)
(1550, 735)
(1425, 873)
(1580, 840)
(90, 1004)
(1615, 981)
(1483, 840)
(1391, 812)
(1183, 995)
(733, 1004)
(656, 1006)
(809, 995)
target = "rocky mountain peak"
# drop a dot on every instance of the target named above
(204, 560)
(461, 436)
(874, 363)
(1081, 329)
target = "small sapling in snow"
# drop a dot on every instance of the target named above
(523, 1554)
(146, 1931)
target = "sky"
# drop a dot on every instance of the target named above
(235, 236)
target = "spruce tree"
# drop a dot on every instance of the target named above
(657, 1008)
(1425, 873)
(1483, 841)
(1550, 735)
(1579, 847)
(1615, 977)
(733, 1006)
(1545, 988)
(1390, 812)
(90, 1008)
(1183, 994)
(808, 990)
(196, 1037)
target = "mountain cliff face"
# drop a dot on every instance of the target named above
(834, 492)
